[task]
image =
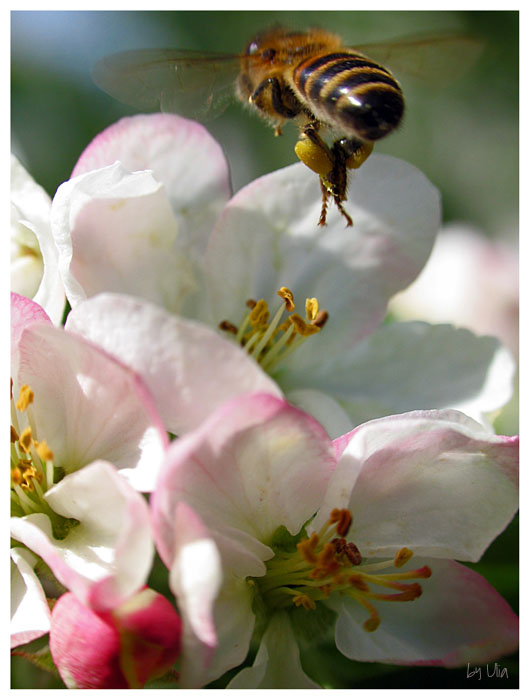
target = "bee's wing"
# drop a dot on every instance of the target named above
(191, 83)
(439, 59)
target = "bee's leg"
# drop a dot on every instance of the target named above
(314, 153)
(324, 210)
(273, 97)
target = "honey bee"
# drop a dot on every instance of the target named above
(341, 100)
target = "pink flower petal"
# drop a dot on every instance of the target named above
(88, 406)
(433, 481)
(24, 313)
(181, 153)
(255, 464)
(123, 648)
(189, 368)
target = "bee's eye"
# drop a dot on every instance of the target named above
(268, 54)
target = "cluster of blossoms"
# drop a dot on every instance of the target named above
(300, 474)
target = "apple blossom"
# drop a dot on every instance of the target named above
(271, 530)
(34, 271)
(121, 648)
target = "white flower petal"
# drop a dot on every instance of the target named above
(470, 280)
(31, 217)
(30, 613)
(189, 368)
(115, 231)
(408, 366)
(277, 663)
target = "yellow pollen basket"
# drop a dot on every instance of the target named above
(327, 562)
(270, 341)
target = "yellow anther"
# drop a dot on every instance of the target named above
(229, 327)
(402, 557)
(44, 451)
(25, 397)
(320, 319)
(25, 440)
(304, 601)
(288, 298)
(25, 473)
(343, 518)
(311, 308)
(14, 435)
(327, 554)
(372, 623)
(259, 316)
(301, 327)
(307, 548)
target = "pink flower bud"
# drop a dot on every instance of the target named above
(122, 648)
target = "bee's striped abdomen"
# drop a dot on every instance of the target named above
(350, 90)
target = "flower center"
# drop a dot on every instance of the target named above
(32, 467)
(268, 341)
(326, 562)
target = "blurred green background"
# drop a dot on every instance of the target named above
(464, 137)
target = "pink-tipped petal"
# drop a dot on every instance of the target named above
(182, 155)
(24, 313)
(189, 368)
(88, 406)
(255, 464)
(115, 231)
(433, 481)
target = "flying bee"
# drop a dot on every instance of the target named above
(341, 100)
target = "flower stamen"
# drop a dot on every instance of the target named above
(326, 562)
(270, 341)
